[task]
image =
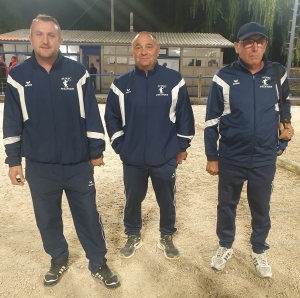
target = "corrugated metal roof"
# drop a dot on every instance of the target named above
(125, 38)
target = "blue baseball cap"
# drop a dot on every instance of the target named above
(251, 29)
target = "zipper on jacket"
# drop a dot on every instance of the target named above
(146, 107)
(57, 153)
(254, 122)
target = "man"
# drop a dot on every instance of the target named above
(243, 109)
(150, 123)
(51, 118)
(14, 62)
(3, 76)
(93, 70)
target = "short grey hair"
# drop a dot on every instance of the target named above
(45, 18)
(145, 32)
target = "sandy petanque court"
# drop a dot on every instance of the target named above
(23, 261)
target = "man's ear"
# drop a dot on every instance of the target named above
(236, 47)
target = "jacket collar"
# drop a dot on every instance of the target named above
(56, 64)
(243, 65)
(150, 72)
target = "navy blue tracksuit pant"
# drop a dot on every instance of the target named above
(259, 189)
(47, 183)
(136, 184)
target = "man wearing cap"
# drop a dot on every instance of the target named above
(243, 114)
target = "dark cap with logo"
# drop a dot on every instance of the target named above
(251, 29)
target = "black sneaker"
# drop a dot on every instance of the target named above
(109, 279)
(54, 274)
(166, 244)
(133, 242)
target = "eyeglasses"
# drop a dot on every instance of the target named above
(249, 42)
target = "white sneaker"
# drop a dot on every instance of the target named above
(222, 256)
(261, 263)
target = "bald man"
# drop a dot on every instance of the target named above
(150, 123)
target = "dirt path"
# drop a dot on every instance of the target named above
(148, 274)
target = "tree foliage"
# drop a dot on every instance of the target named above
(227, 16)
(8, 22)
(209, 16)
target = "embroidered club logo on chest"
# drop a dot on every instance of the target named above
(265, 82)
(65, 82)
(161, 91)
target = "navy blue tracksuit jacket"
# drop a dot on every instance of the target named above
(70, 132)
(149, 119)
(243, 109)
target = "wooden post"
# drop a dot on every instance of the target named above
(111, 76)
(199, 85)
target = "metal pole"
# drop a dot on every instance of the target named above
(131, 22)
(112, 16)
(292, 37)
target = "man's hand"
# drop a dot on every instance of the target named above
(97, 162)
(180, 157)
(212, 167)
(286, 131)
(16, 175)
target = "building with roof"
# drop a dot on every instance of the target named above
(189, 53)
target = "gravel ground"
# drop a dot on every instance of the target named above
(23, 262)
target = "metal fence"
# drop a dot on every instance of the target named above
(199, 78)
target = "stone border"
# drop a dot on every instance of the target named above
(288, 165)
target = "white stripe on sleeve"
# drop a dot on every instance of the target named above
(212, 122)
(175, 91)
(187, 137)
(20, 90)
(116, 135)
(226, 90)
(120, 94)
(80, 83)
(95, 135)
(283, 78)
(11, 140)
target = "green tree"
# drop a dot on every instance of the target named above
(8, 22)
(226, 16)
